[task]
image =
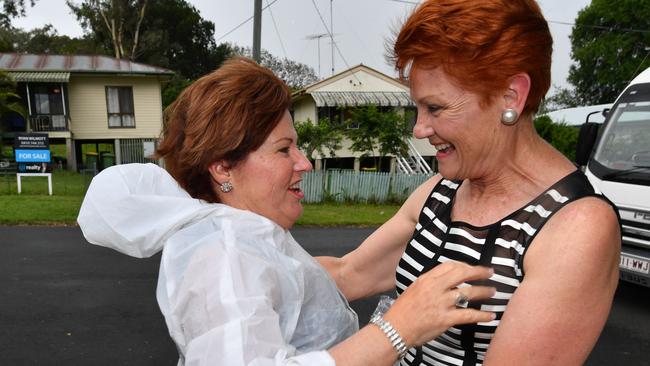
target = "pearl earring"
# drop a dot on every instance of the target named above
(226, 187)
(509, 117)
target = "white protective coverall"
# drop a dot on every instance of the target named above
(234, 287)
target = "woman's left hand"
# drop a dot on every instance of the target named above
(429, 306)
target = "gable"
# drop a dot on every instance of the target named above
(359, 79)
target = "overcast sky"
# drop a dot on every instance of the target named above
(360, 28)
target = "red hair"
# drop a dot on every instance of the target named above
(224, 115)
(480, 44)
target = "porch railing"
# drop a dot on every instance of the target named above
(48, 122)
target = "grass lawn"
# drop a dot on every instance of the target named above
(35, 207)
(332, 214)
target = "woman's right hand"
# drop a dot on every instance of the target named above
(428, 306)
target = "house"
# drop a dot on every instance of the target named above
(95, 109)
(358, 86)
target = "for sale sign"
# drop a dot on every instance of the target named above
(32, 156)
(32, 152)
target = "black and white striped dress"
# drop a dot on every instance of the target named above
(501, 246)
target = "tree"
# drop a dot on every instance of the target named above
(609, 46)
(173, 88)
(178, 38)
(317, 137)
(378, 132)
(9, 101)
(563, 98)
(119, 21)
(12, 9)
(297, 75)
(47, 40)
(562, 137)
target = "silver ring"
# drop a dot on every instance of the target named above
(461, 300)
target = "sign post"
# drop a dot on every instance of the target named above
(32, 152)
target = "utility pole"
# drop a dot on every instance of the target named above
(332, 35)
(257, 31)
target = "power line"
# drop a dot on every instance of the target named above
(603, 27)
(405, 2)
(277, 31)
(244, 22)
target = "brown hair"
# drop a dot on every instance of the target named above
(224, 115)
(480, 44)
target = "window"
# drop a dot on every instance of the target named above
(47, 107)
(119, 102)
(47, 99)
(333, 114)
(337, 116)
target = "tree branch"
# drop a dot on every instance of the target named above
(137, 31)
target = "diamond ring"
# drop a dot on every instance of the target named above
(461, 300)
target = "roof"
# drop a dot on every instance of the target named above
(40, 77)
(353, 99)
(16, 62)
(578, 115)
(643, 77)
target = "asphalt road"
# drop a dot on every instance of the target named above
(66, 302)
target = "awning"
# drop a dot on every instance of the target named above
(40, 77)
(355, 99)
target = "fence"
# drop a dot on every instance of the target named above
(133, 150)
(342, 185)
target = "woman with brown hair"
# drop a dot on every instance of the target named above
(504, 198)
(234, 287)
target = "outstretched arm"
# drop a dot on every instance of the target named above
(370, 269)
(560, 308)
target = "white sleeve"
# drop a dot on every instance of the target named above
(228, 308)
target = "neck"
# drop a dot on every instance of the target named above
(523, 170)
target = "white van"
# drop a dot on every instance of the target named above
(616, 155)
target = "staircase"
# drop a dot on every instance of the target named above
(413, 162)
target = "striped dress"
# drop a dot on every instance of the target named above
(501, 245)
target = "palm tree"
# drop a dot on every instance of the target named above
(9, 101)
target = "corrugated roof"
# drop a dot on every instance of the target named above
(40, 77)
(354, 99)
(15, 62)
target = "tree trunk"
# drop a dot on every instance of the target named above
(110, 25)
(120, 32)
(137, 31)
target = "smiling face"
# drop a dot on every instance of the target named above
(267, 181)
(467, 134)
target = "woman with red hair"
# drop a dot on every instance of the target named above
(504, 198)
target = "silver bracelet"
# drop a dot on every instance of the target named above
(395, 339)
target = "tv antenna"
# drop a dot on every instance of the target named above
(317, 37)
